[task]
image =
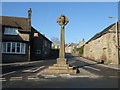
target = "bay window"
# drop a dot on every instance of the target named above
(13, 47)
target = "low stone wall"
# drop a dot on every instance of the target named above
(102, 48)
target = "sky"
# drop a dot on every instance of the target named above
(85, 18)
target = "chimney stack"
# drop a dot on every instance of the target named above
(29, 23)
(29, 17)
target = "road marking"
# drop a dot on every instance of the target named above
(49, 76)
(33, 78)
(15, 78)
(83, 76)
(92, 68)
(113, 76)
(70, 62)
(73, 76)
(32, 70)
(64, 75)
(78, 76)
(95, 76)
(7, 73)
(39, 68)
(2, 79)
(29, 70)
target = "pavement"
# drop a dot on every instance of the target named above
(112, 66)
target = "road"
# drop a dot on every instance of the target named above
(92, 75)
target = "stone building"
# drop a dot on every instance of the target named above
(70, 47)
(21, 42)
(80, 44)
(102, 46)
(56, 46)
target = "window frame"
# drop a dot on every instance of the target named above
(37, 51)
(8, 32)
(11, 43)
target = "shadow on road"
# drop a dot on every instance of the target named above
(69, 56)
(88, 65)
(6, 69)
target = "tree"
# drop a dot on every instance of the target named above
(55, 40)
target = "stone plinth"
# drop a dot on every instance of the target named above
(61, 61)
(60, 69)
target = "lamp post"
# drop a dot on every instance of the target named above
(117, 38)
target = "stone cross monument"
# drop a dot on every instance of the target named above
(62, 21)
(62, 67)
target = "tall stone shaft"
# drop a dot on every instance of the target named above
(62, 44)
(62, 21)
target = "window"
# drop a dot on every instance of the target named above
(11, 31)
(4, 47)
(45, 52)
(35, 34)
(45, 43)
(18, 47)
(22, 47)
(8, 47)
(38, 51)
(49, 45)
(13, 47)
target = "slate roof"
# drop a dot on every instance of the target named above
(71, 45)
(21, 23)
(106, 30)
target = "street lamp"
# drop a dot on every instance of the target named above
(117, 38)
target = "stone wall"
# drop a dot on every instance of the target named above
(102, 48)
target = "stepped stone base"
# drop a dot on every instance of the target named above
(60, 69)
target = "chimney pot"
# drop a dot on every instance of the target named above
(29, 13)
(30, 10)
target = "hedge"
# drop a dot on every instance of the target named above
(81, 50)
